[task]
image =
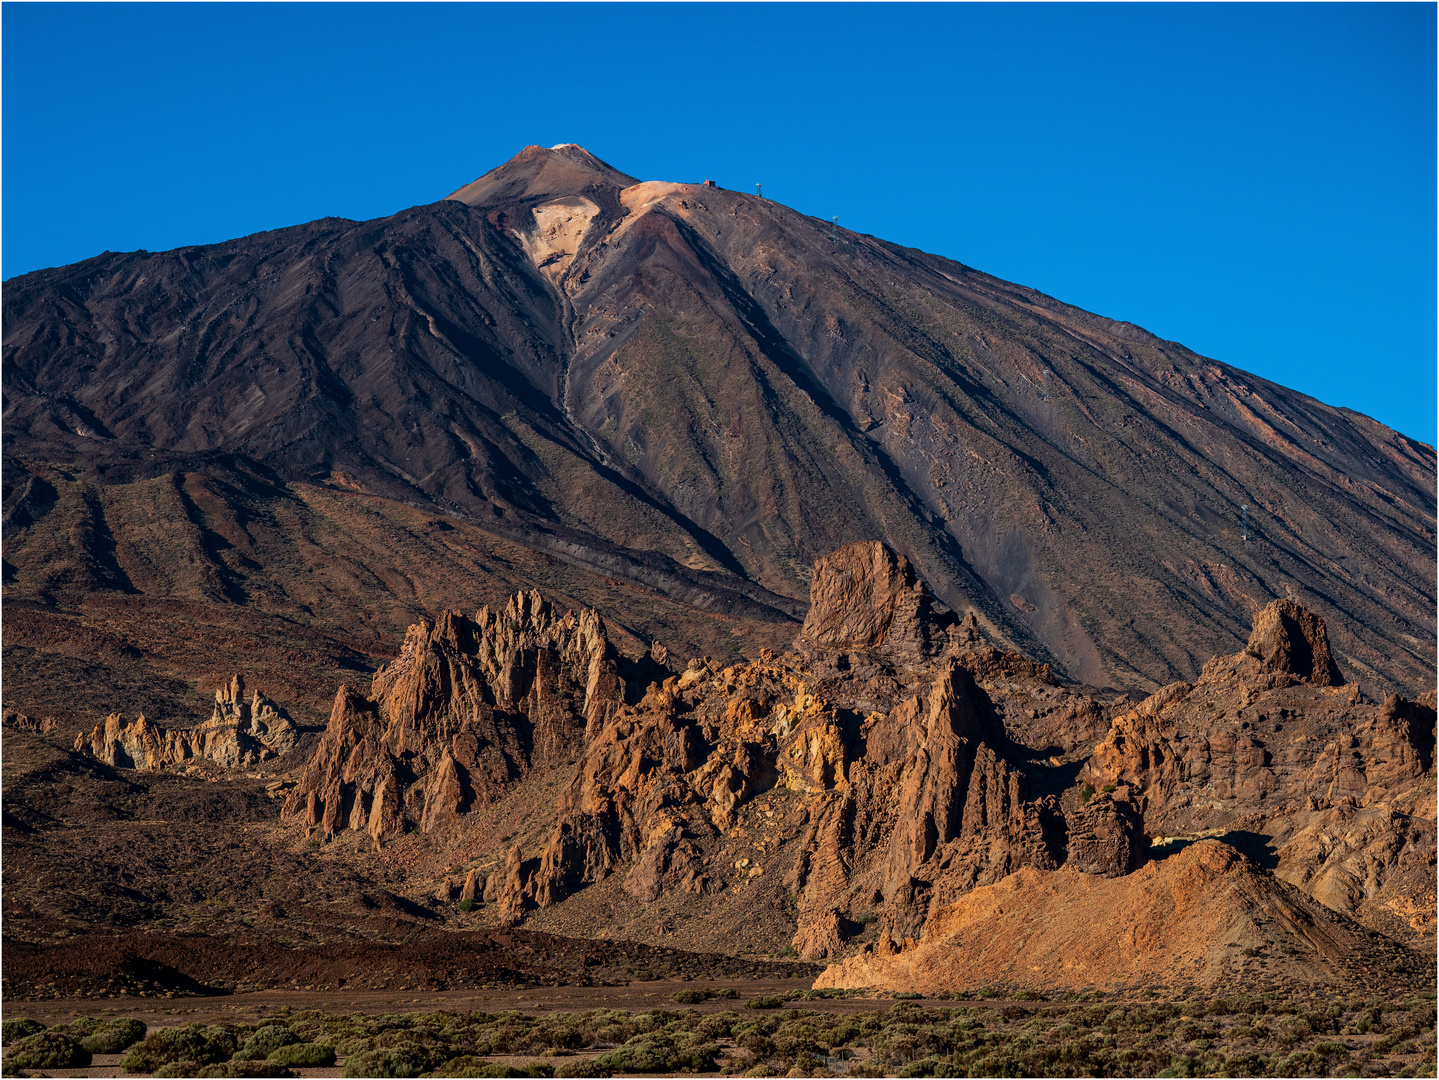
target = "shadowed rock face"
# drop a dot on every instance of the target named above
(1289, 640)
(863, 782)
(702, 392)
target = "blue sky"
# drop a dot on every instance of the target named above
(1255, 181)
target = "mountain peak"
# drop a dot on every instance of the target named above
(537, 171)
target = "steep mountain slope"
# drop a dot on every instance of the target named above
(702, 392)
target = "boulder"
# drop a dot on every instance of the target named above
(1106, 836)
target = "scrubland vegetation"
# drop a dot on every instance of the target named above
(778, 1035)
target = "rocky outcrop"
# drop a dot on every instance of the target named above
(469, 707)
(865, 596)
(1267, 748)
(1106, 836)
(1205, 917)
(932, 809)
(240, 734)
(912, 803)
(874, 777)
(1292, 640)
(40, 725)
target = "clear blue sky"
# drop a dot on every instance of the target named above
(1255, 181)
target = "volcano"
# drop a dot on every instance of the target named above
(664, 400)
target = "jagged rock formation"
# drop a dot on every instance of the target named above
(240, 734)
(469, 707)
(1270, 748)
(1205, 918)
(893, 785)
(21, 722)
(864, 596)
(887, 768)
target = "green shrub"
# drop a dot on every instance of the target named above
(659, 1051)
(400, 1061)
(47, 1050)
(265, 1041)
(19, 1028)
(582, 1067)
(114, 1036)
(758, 1044)
(1292, 1030)
(197, 1043)
(467, 905)
(181, 1068)
(241, 1068)
(766, 1001)
(1300, 1063)
(305, 1055)
(473, 1066)
(691, 997)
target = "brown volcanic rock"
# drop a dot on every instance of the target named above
(864, 596)
(239, 734)
(1293, 640)
(468, 708)
(1205, 917)
(1264, 746)
(1106, 836)
(796, 799)
(909, 805)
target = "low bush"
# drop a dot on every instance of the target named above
(241, 1068)
(198, 1043)
(400, 1061)
(766, 1001)
(583, 1067)
(658, 1051)
(304, 1055)
(473, 1066)
(180, 1068)
(47, 1050)
(265, 1041)
(114, 1036)
(20, 1027)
